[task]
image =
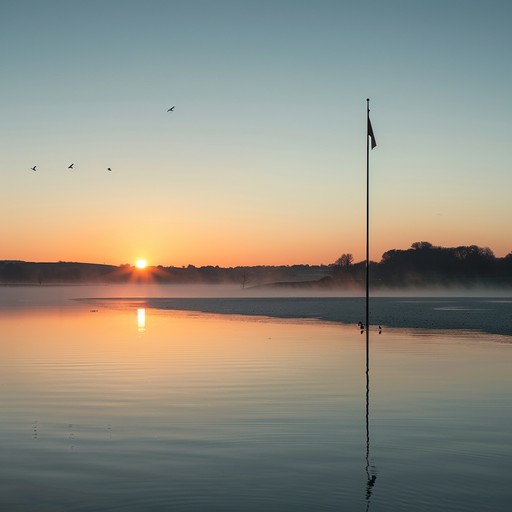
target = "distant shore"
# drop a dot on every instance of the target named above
(421, 266)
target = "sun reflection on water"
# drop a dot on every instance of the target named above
(141, 319)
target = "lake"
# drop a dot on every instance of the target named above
(137, 400)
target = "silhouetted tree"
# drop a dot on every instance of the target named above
(421, 245)
(344, 262)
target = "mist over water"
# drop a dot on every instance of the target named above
(54, 293)
(491, 313)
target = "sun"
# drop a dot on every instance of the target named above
(141, 264)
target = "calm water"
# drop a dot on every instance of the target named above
(112, 406)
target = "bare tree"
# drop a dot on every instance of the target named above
(344, 262)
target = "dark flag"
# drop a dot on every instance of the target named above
(370, 133)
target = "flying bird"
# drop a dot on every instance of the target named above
(70, 166)
(109, 169)
(34, 168)
(171, 109)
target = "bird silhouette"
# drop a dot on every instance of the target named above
(34, 168)
(171, 109)
(70, 166)
(109, 169)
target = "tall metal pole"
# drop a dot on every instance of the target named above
(367, 322)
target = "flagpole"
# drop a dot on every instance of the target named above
(367, 322)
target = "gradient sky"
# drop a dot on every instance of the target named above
(263, 159)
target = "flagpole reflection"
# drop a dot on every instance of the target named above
(370, 478)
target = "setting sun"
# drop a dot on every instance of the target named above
(141, 264)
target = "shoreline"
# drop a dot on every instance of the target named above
(488, 314)
(463, 313)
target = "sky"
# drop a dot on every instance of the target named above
(263, 160)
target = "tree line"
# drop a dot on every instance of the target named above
(423, 264)
(22, 272)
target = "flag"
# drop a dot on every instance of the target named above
(370, 134)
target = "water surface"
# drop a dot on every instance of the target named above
(110, 406)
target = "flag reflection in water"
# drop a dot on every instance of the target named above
(141, 319)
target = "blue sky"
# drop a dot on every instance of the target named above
(263, 159)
